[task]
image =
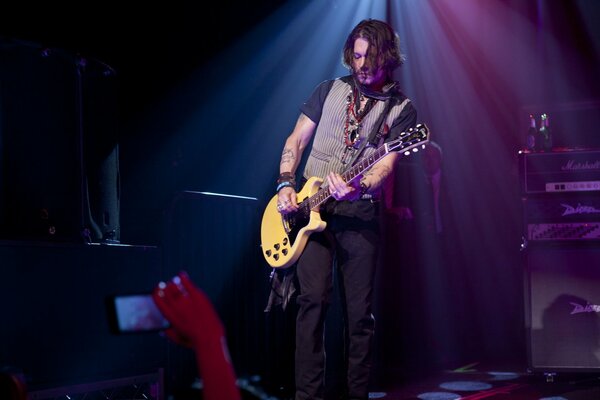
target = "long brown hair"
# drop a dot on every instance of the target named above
(384, 45)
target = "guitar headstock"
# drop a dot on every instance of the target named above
(411, 140)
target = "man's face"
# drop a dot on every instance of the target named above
(367, 75)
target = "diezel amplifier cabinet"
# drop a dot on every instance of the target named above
(562, 218)
(561, 214)
(563, 308)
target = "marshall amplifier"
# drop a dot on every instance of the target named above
(560, 171)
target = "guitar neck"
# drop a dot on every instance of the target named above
(364, 164)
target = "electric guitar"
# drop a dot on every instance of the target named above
(283, 237)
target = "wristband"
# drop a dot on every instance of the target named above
(284, 184)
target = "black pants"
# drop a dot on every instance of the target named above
(353, 244)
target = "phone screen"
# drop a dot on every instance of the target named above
(135, 313)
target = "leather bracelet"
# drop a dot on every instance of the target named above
(286, 177)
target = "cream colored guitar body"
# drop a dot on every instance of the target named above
(282, 244)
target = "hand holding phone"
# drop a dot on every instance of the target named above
(196, 324)
(188, 317)
(190, 311)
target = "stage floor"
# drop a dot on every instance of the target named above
(477, 381)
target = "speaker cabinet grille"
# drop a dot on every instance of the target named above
(563, 316)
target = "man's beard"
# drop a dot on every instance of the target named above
(380, 91)
(361, 76)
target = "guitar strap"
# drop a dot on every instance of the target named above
(377, 132)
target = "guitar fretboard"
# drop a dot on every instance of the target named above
(363, 164)
(406, 141)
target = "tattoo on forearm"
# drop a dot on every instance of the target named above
(383, 171)
(377, 175)
(287, 156)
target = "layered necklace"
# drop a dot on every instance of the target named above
(354, 117)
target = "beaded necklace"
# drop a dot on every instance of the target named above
(353, 117)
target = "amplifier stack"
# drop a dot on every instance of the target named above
(561, 227)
